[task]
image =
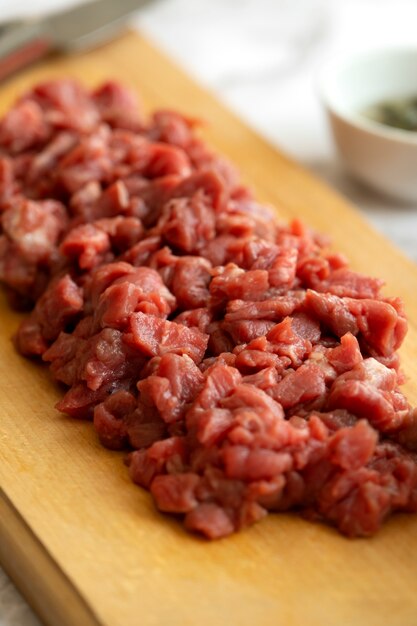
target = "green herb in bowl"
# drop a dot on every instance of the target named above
(400, 113)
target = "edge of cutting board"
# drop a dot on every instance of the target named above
(39, 578)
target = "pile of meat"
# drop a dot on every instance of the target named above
(241, 363)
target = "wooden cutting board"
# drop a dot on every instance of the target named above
(86, 546)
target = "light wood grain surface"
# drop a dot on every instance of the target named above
(86, 546)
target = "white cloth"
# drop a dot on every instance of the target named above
(261, 57)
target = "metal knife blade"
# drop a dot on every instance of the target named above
(85, 25)
(90, 23)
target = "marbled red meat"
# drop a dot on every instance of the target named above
(244, 367)
(29, 254)
(155, 337)
(59, 306)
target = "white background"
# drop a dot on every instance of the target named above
(262, 58)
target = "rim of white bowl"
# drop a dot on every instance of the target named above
(354, 118)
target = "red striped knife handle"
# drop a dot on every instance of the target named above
(25, 55)
(20, 45)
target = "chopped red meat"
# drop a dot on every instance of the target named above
(117, 106)
(40, 178)
(275, 308)
(244, 331)
(173, 384)
(345, 356)
(188, 224)
(110, 418)
(242, 463)
(206, 181)
(353, 447)
(210, 520)
(60, 305)
(358, 501)
(8, 186)
(23, 127)
(190, 281)
(301, 386)
(144, 465)
(29, 245)
(112, 202)
(233, 283)
(80, 400)
(198, 318)
(65, 104)
(139, 289)
(155, 337)
(144, 427)
(102, 359)
(344, 282)
(369, 390)
(381, 324)
(282, 271)
(175, 493)
(245, 367)
(88, 161)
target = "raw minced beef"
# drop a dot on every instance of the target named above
(241, 363)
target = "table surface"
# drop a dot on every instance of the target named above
(262, 58)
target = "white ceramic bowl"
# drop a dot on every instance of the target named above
(383, 157)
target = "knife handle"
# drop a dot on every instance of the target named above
(21, 43)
